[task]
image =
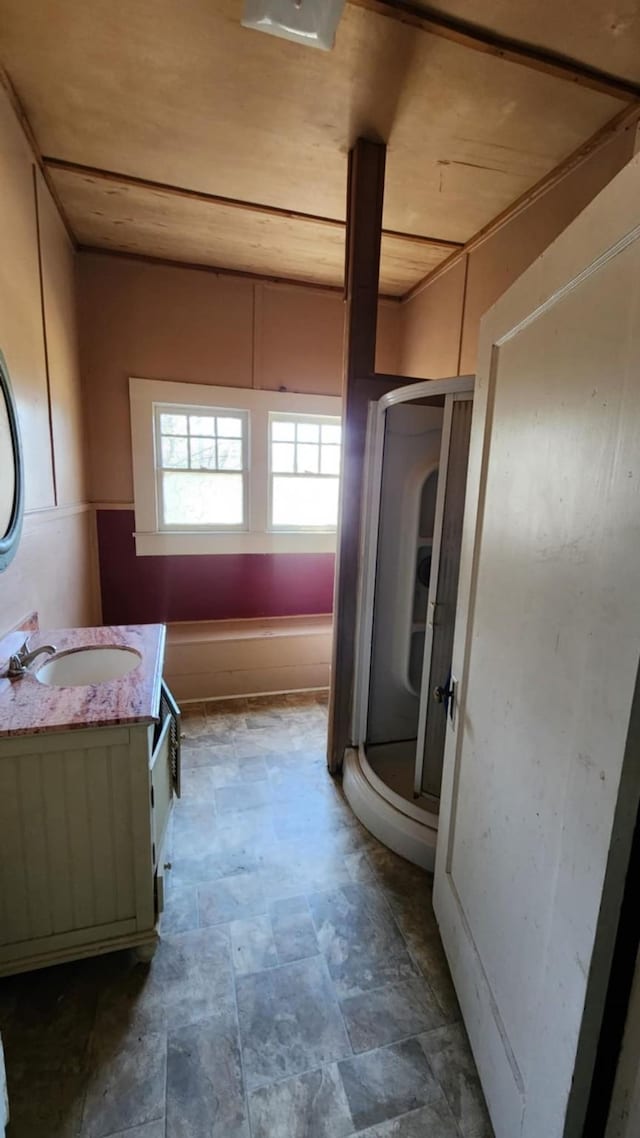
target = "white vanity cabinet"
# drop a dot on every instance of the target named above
(84, 816)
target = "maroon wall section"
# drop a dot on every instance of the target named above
(201, 587)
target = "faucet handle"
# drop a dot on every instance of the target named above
(23, 650)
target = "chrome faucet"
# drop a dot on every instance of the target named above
(20, 663)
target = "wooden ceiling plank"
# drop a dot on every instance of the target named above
(627, 118)
(63, 166)
(466, 135)
(134, 220)
(477, 38)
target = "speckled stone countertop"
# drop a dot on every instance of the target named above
(28, 707)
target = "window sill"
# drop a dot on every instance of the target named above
(187, 544)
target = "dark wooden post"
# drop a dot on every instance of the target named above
(365, 192)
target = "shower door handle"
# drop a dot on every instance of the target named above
(445, 694)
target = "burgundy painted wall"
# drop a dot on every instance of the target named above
(203, 587)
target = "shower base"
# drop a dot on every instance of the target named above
(378, 785)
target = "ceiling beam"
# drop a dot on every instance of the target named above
(169, 190)
(627, 119)
(484, 40)
(365, 196)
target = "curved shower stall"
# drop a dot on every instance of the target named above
(416, 461)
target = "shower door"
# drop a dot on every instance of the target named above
(407, 548)
(437, 702)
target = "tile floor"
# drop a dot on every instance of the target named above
(299, 990)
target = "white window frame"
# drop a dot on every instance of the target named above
(150, 537)
(297, 417)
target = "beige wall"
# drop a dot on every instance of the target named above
(440, 325)
(54, 570)
(162, 322)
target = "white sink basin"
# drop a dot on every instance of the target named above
(81, 666)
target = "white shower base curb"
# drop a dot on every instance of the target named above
(413, 840)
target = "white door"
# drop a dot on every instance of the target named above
(538, 798)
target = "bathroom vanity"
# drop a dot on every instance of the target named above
(89, 766)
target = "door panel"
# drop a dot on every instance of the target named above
(547, 647)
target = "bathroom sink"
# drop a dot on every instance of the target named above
(81, 666)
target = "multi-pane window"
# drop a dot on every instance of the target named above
(201, 467)
(304, 471)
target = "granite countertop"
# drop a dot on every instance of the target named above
(28, 707)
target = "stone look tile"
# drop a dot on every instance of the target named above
(98, 1029)
(252, 945)
(242, 796)
(46, 1028)
(231, 899)
(359, 868)
(451, 1060)
(250, 744)
(202, 752)
(434, 1121)
(220, 847)
(390, 1013)
(127, 1083)
(205, 1096)
(45, 1102)
(193, 720)
(185, 982)
(428, 953)
(312, 1105)
(293, 931)
(289, 871)
(180, 913)
(289, 1021)
(199, 784)
(383, 1084)
(252, 769)
(360, 940)
(233, 708)
(149, 1130)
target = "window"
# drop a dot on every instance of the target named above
(304, 454)
(201, 467)
(233, 470)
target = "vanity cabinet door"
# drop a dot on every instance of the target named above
(169, 707)
(161, 788)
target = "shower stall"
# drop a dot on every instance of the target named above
(415, 479)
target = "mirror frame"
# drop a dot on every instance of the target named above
(10, 539)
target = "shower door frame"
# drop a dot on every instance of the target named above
(370, 530)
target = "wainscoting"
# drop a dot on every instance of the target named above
(221, 658)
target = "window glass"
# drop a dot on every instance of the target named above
(330, 460)
(175, 452)
(202, 424)
(308, 459)
(198, 499)
(283, 457)
(332, 433)
(229, 428)
(202, 471)
(173, 424)
(308, 432)
(305, 502)
(304, 471)
(283, 431)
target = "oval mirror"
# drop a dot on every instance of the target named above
(11, 471)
